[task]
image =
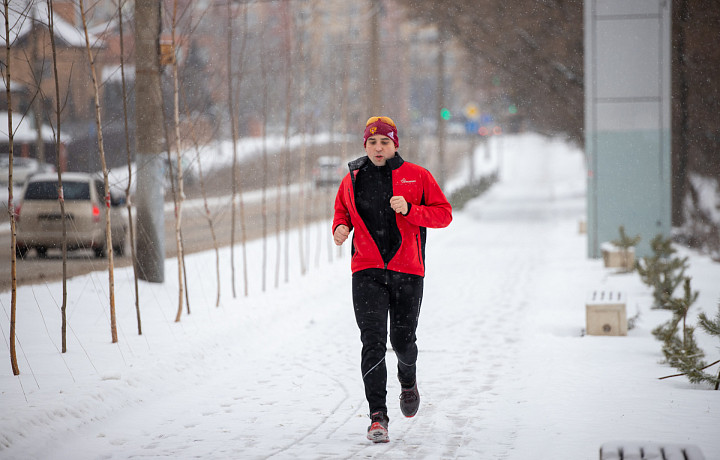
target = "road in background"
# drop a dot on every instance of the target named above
(196, 234)
(195, 229)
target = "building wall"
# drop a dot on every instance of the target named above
(75, 83)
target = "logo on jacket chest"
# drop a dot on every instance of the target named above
(407, 181)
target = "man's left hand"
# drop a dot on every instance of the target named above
(399, 205)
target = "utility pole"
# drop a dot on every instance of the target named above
(149, 137)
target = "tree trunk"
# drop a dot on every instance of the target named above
(208, 216)
(236, 184)
(129, 163)
(150, 242)
(263, 74)
(288, 62)
(11, 205)
(178, 193)
(61, 196)
(108, 231)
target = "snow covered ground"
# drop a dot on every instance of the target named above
(504, 369)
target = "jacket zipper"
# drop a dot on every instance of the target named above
(417, 245)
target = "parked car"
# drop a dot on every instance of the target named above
(328, 171)
(39, 220)
(23, 168)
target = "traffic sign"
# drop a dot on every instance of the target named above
(471, 127)
(472, 111)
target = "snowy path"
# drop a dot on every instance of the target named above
(503, 371)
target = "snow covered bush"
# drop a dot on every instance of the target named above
(459, 197)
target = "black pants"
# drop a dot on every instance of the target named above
(377, 293)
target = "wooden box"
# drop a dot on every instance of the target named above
(615, 257)
(605, 313)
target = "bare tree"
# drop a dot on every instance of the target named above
(236, 184)
(178, 194)
(208, 214)
(129, 164)
(101, 148)
(11, 205)
(263, 76)
(61, 198)
(303, 72)
(289, 28)
(284, 170)
(150, 217)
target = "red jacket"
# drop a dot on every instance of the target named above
(428, 208)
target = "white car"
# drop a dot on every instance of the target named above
(23, 168)
(39, 220)
(329, 171)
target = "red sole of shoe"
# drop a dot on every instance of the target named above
(378, 434)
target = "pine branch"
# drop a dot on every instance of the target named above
(685, 373)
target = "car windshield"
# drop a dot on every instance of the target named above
(48, 191)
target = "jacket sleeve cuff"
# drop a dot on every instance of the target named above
(408, 211)
(339, 224)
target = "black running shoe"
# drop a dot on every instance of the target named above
(378, 429)
(410, 401)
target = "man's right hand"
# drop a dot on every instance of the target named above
(341, 234)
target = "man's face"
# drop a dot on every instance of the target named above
(379, 149)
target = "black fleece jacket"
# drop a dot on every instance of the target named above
(373, 190)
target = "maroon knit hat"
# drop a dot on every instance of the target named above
(383, 126)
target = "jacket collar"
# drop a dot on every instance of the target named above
(394, 162)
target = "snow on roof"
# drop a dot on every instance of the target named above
(21, 18)
(24, 129)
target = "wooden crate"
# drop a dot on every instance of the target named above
(605, 313)
(615, 257)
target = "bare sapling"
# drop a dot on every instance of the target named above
(237, 198)
(303, 159)
(11, 205)
(206, 206)
(344, 105)
(282, 173)
(288, 63)
(264, 174)
(98, 122)
(58, 167)
(172, 176)
(128, 201)
(179, 193)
